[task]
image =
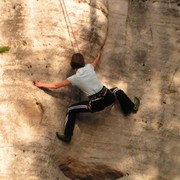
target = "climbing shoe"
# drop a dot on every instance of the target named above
(136, 104)
(63, 138)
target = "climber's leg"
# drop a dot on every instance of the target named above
(71, 118)
(125, 102)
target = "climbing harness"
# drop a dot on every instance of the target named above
(68, 24)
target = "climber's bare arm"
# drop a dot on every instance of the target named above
(52, 85)
(96, 60)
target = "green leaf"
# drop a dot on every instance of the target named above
(4, 49)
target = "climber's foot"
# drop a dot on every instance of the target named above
(136, 104)
(63, 138)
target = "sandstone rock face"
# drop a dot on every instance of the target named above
(141, 51)
(42, 43)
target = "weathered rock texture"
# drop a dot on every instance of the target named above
(141, 55)
(38, 34)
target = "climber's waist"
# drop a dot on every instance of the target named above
(101, 93)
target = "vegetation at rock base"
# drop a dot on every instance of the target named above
(4, 49)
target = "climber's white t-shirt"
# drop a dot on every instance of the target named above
(86, 80)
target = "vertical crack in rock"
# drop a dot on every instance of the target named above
(175, 71)
(13, 28)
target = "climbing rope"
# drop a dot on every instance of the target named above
(67, 19)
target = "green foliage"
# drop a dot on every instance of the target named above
(4, 49)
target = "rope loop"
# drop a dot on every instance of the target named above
(69, 24)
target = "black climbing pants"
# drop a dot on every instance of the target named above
(125, 102)
(96, 104)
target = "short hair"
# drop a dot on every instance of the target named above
(77, 61)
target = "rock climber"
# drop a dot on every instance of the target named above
(99, 96)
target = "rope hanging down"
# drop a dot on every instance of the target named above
(67, 19)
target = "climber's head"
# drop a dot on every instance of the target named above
(77, 61)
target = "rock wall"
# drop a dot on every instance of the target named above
(42, 43)
(140, 55)
(145, 57)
